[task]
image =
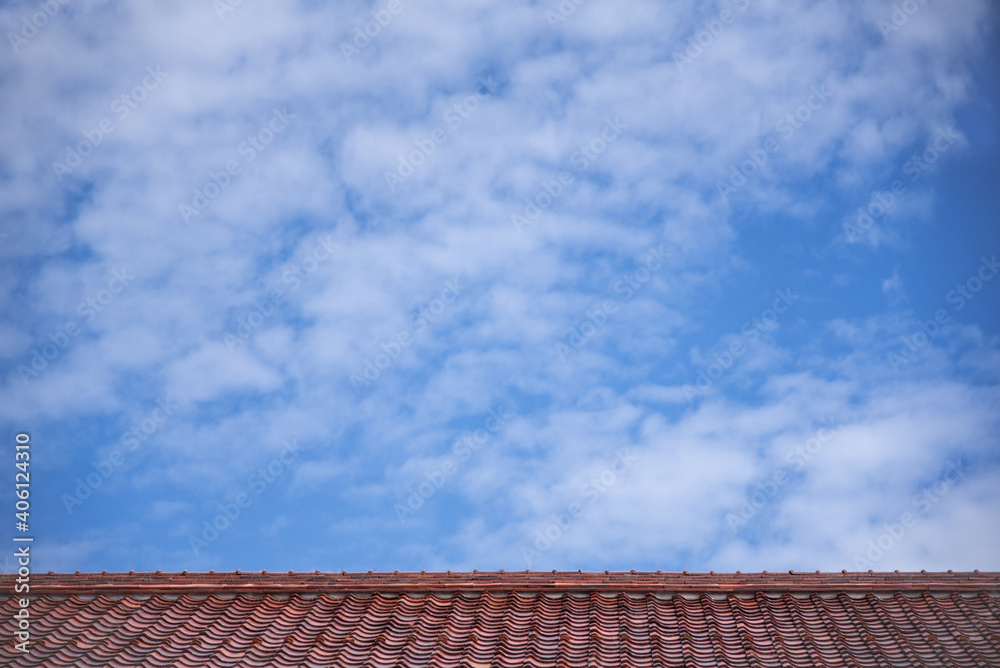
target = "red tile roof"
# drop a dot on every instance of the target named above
(555, 620)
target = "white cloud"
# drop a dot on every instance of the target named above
(655, 184)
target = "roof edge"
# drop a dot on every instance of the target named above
(317, 582)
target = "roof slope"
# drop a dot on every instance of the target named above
(557, 620)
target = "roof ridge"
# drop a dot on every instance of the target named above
(479, 581)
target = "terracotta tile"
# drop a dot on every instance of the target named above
(552, 620)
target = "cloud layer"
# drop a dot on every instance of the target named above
(369, 229)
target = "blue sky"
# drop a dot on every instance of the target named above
(508, 285)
